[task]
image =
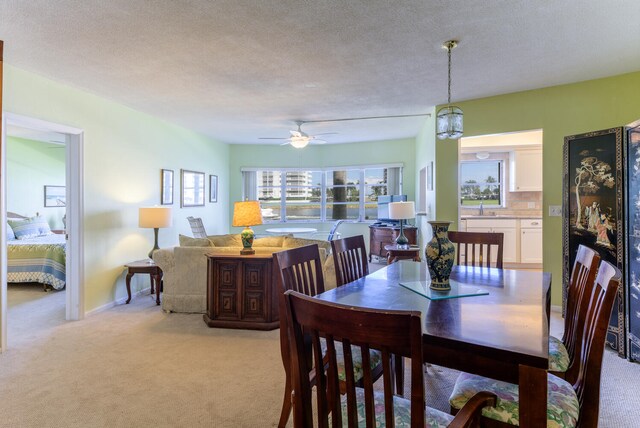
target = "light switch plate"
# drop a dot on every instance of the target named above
(555, 210)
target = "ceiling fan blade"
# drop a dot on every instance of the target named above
(273, 138)
(316, 141)
(327, 133)
(284, 144)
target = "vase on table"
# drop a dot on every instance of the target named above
(440, 253)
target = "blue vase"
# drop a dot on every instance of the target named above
(440, 254)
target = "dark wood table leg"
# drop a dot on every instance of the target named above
(533, 397)
(399, 374)
(151, 277)
(129, 275)
(157, 278)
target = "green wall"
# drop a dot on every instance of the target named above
(353, 154)
(425, 154)
(124, 151)
(559, 111)
(31, 165)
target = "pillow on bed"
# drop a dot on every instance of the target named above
(30, 227)
(10, 235)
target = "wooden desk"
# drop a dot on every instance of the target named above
(503, 335)
(145, 266)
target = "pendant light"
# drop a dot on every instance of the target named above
(449, 118)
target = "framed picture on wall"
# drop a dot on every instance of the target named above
(166, 187)
(593, 212)
(55, 196)
(192, 188)
(213, 188)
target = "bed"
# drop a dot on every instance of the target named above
(39, 259)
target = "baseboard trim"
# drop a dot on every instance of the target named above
(116, 302)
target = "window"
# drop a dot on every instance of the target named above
(321, 195)
(482, 182)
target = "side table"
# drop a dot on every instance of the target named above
(394, 253)
(145, 266)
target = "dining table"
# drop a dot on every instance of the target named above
(503, 334)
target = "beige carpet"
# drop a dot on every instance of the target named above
(135, 366)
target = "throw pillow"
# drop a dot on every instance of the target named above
(31, 227)
(269, 241)
(10, 235)
(187, 241)
(291, 242)
(230, 240)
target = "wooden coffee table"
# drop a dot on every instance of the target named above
(145, 266)
(395, 253)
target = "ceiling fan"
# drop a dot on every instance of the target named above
(300, 139)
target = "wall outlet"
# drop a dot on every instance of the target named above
(555, 210)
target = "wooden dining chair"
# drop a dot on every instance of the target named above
(392, 332)
(478, 247)
(350, 259)
(562, 352)
(300, 269)
(569, 404)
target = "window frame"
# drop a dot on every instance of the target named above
(323, 190)
(501, 182)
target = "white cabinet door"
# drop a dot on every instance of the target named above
(510, 250)
(525, 171)
(531, 245)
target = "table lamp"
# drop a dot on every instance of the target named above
(402, 211)
(247, 214)
(154, 217)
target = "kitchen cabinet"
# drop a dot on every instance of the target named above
(525, 171)
(507, 226)
(531, 241)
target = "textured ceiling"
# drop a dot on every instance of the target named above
(237, 70)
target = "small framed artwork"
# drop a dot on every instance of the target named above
(55, 196)
(192, 189)
(213, 188)
(166, 187)
(430, 176)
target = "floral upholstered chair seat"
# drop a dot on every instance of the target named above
(375, 358)
(558, 356)
(401, 412)
(562, 403)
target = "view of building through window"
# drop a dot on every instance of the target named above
(481, 181)
(321, 195)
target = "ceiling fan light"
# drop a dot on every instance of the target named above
(299, 142)
(449, 123)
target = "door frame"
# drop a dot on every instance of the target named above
(74, 156)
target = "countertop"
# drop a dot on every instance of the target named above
(500, 217)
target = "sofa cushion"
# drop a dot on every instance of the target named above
(187, 241)
(291, 242)
(230, 240)
(236, 250)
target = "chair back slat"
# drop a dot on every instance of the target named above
(477, 248)
(350, 259)
(300, 270)
(391, 332)
(197, 228)
(599, 303)
(581, 283)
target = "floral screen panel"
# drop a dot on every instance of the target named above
(633, 243)
(593, 213)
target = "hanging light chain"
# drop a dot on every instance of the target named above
(449, 47)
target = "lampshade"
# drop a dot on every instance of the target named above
(154, 217)
(402, 210)
(246, 213)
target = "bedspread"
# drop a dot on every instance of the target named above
(41, 259)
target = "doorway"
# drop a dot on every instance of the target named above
(73, 193)
(500, 191)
